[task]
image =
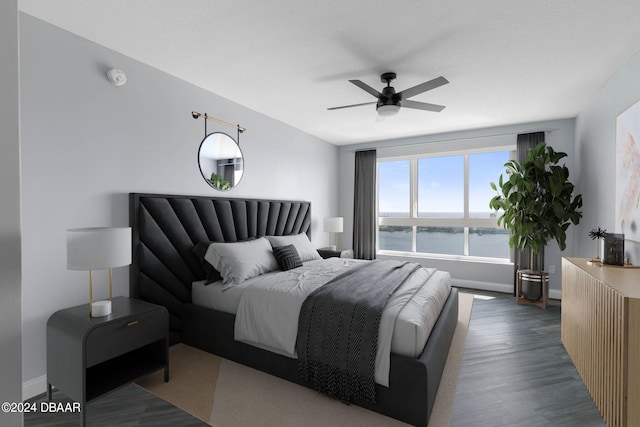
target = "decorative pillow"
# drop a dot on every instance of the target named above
(303, 245)
(287, 257)
(240, 261)
(212, 275)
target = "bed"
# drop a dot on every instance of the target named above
(168, 270)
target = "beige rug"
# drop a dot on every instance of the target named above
(223, 393)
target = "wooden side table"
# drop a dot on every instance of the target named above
(90, 356)
(533, 276)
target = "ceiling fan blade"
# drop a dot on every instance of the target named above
(423, 87)
(353, 105)
(422, 106)
(366, 88)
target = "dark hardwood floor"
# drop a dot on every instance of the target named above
(515, 370)
(129, 406)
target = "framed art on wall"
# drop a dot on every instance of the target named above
(627, 204)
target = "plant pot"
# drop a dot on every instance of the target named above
(531, 290)
(530, 284)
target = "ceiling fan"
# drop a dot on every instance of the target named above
(389, 102)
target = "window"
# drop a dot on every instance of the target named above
(441, 187)
(395, 195)
(440, 204)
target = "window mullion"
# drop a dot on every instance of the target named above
(413, 186)
(466, 186)
(466, 204)
(413, 173)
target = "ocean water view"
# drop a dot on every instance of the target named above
(483, 242)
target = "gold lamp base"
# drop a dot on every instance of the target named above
(100, 308)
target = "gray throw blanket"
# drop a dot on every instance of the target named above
(338, 329)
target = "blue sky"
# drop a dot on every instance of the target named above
(440, 183)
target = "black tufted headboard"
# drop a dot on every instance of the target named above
(166, 229)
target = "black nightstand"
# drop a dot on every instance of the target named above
(90, 356)
(332, 253)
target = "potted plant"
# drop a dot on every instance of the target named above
(536, 202)
(219, 182)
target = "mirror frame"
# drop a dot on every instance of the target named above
(208, 180)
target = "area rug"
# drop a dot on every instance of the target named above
(223, 393)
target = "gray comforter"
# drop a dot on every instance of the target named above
(338, 329)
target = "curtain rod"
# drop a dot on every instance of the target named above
(195, 115)
(376, 144)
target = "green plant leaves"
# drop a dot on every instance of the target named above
(536, 200)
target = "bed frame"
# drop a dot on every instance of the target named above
(165, 230)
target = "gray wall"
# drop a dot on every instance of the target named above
(87, 144)
(596, 155)
(10, 293)
(481, 275)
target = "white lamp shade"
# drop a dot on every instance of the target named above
(333, 225)
(98, 248)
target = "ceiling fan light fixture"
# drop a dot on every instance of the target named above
(387, 110)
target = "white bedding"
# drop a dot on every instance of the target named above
(267, 308)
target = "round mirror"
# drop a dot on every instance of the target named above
(221, 162)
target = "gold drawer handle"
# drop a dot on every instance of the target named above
(135, 322)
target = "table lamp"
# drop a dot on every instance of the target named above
(333, 225)
(98, 248)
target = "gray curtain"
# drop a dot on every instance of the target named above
(364, 206)
(522, 259)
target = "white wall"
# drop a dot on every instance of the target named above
(87, 144)
(10, 291)
(596, 155)
(499, 277)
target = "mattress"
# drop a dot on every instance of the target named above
(417, 314)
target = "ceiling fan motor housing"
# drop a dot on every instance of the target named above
(389, 97)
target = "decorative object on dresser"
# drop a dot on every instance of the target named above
(220, 159)
(613, 249)
(537, 206)
(98, 248)
(600, 317)
(597, 234)
(332, 226)
(90, 356)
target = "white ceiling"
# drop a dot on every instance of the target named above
(508, 61)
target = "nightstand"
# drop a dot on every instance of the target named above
(332, 253)
(90, 356)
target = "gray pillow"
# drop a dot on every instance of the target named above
(303, 245)
(287, 257)
(240, 261)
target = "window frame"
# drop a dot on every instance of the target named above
(414, 221)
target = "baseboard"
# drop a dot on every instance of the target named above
(34, 387)
(506, 288)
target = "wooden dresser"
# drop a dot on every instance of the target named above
(601, 332)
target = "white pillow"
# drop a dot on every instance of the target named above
(239, 261)
(303, 245)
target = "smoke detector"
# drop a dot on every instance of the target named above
(116, 77)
